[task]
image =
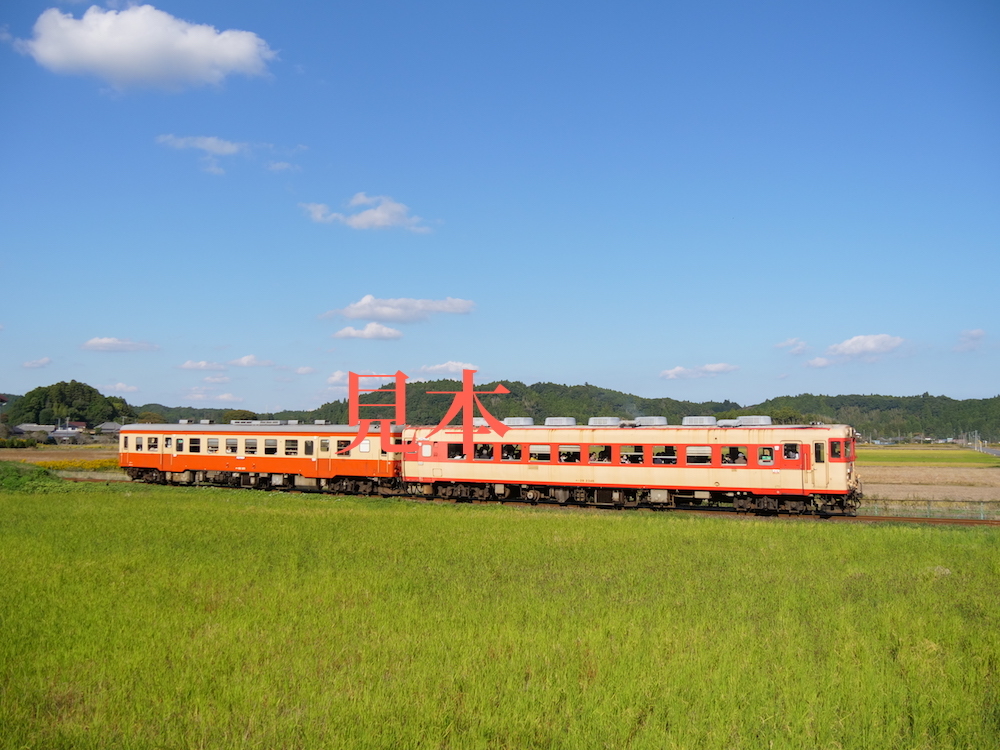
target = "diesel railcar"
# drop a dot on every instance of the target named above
(753, 467)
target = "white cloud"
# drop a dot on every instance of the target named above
(216, 379)
(370, 331)
(36, 363)
(207, 143)
(384, 214)
(282, 166)
(401, 309)
(704, 371)
(449, 368)
(339, 377)
(120, 388)
(211, 146)
(111, 344)
(202, 365)
(794, 346)
(141, 46)
(866, 346)
(305, 370)
(970, 340)
(228, 398)
(819, 362)
(251, 360)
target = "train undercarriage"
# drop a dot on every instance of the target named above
(600, 497)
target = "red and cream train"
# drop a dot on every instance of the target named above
(746, 464)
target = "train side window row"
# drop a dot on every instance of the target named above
(667, 455)
(212, 445)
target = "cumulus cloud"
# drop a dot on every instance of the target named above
(794, 346)
(339, 377)
(305, 370)
(206, 393)
(384, 213)
(370, 331)
(704, 371)
(120, 388)
(36, 363)
(202, 365)
(216, 379)
(251, 360)
(282, 166)
(401, 309)
(866, 346)
(111, 344)
(142, 46)
(969, 341)
(819, 362)
(228, 398)
(447, 368)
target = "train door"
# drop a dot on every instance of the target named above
(819, 473)
(792, 461)
(325, 447)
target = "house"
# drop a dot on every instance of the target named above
(108, 428)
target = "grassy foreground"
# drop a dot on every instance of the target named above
(147, 617)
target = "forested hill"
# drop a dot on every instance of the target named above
(873, 416)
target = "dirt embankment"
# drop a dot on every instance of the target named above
(931, 483)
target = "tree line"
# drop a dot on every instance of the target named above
(875, 416)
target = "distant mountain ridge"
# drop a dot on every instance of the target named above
(875, 416)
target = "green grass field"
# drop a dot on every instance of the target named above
(147, 617)
(923, 456)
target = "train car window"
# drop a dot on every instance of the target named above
(291, 447)
(307, 446)
(630, 454)
(365, 446)
(426, 449)
(539, 452)
(734, 454)
(324, 446)
(569, 454)
(483, 452)
(791, 451)
(834, 449)
(848, 450)
(166, 443)
(125, 443)
(152, 444)
(342, 445)
(819, 453)
(194, 445)
(138, 442)
(698, 454)
(213, 445)
(510, 452)
(765, 455)
(180, 445)
(270, 446)
(664, 454)
(456, 451)
(250, 446)
(231, 444)
(600, 454)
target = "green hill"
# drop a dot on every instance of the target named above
(873, 415)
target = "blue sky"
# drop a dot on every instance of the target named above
(235, 203)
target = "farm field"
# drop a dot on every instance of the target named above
(143, 616)
(895, 476)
